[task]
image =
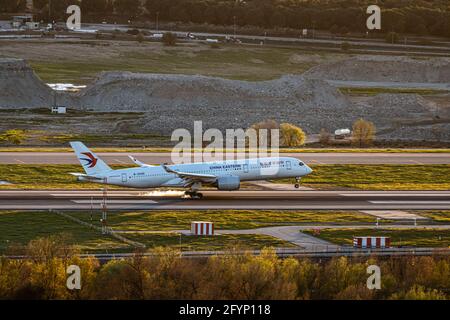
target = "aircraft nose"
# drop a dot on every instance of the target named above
(308, 170)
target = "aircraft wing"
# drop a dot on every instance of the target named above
(192, 177)
(139, 163)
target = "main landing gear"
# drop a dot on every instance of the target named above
(193, 194)
(297, 182)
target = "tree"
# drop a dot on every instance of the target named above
(267, 125)
(12, 6)
(291, 135)
(169, 39)
(363, 132)
(94, 7)
(130, 8)
(324, 137)
(419, 293)
(15, 136)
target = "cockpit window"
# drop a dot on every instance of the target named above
(301, 164)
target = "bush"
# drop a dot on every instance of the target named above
(345, 46)
(15, 136)
(140, 38)
(169, 39)
(133, 32)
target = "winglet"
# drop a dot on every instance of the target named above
(139, 163)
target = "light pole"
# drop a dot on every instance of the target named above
(157, 21)
(234, 26)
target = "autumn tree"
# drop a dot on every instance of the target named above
(324, 137)
(264, 129)
(291, 135)
(363, 133)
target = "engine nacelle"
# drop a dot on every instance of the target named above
(228, 183)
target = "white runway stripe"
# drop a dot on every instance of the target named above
(395, 194)
(409, 202)
(115, 201)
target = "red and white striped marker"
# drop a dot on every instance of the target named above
(371, 242)
(202, 228)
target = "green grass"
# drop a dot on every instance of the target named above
(218, 242)
(21, 227)
(252, 63)
(364, 177)
(439, 216)
(375, 91)
(399, 237)
(379, 177)
(223, 219)
(167, 149)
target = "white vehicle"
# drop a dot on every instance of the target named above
(83, 30)
(157, 36)
(224, 175)
(342, 133)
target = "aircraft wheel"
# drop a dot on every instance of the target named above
(297, 186)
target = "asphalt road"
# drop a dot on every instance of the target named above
(172, 200)
(156, 158)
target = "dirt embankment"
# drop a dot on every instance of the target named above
(384, 69)
(175, 101)
(20, 87)
(168, 102)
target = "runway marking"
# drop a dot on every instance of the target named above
(119, 161)
(395, 195)
(409, 202)
(114, 201)
(416, 162)
(94, 194)
(19, 161)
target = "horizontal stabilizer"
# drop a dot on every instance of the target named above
(85, 177)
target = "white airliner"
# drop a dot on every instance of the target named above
(224, 175)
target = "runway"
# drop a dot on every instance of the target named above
(156, 158)
(263, 200)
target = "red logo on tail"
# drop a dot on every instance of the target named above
(92, 161)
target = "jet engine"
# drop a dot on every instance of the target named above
(228, 183)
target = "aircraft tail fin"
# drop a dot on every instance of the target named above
(92, 164)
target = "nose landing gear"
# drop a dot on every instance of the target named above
(297, 182)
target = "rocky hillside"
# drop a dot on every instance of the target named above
(20, 87)
(384, 69)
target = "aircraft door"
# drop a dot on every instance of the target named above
(288, 165)
(124, 177)
(245, 168)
